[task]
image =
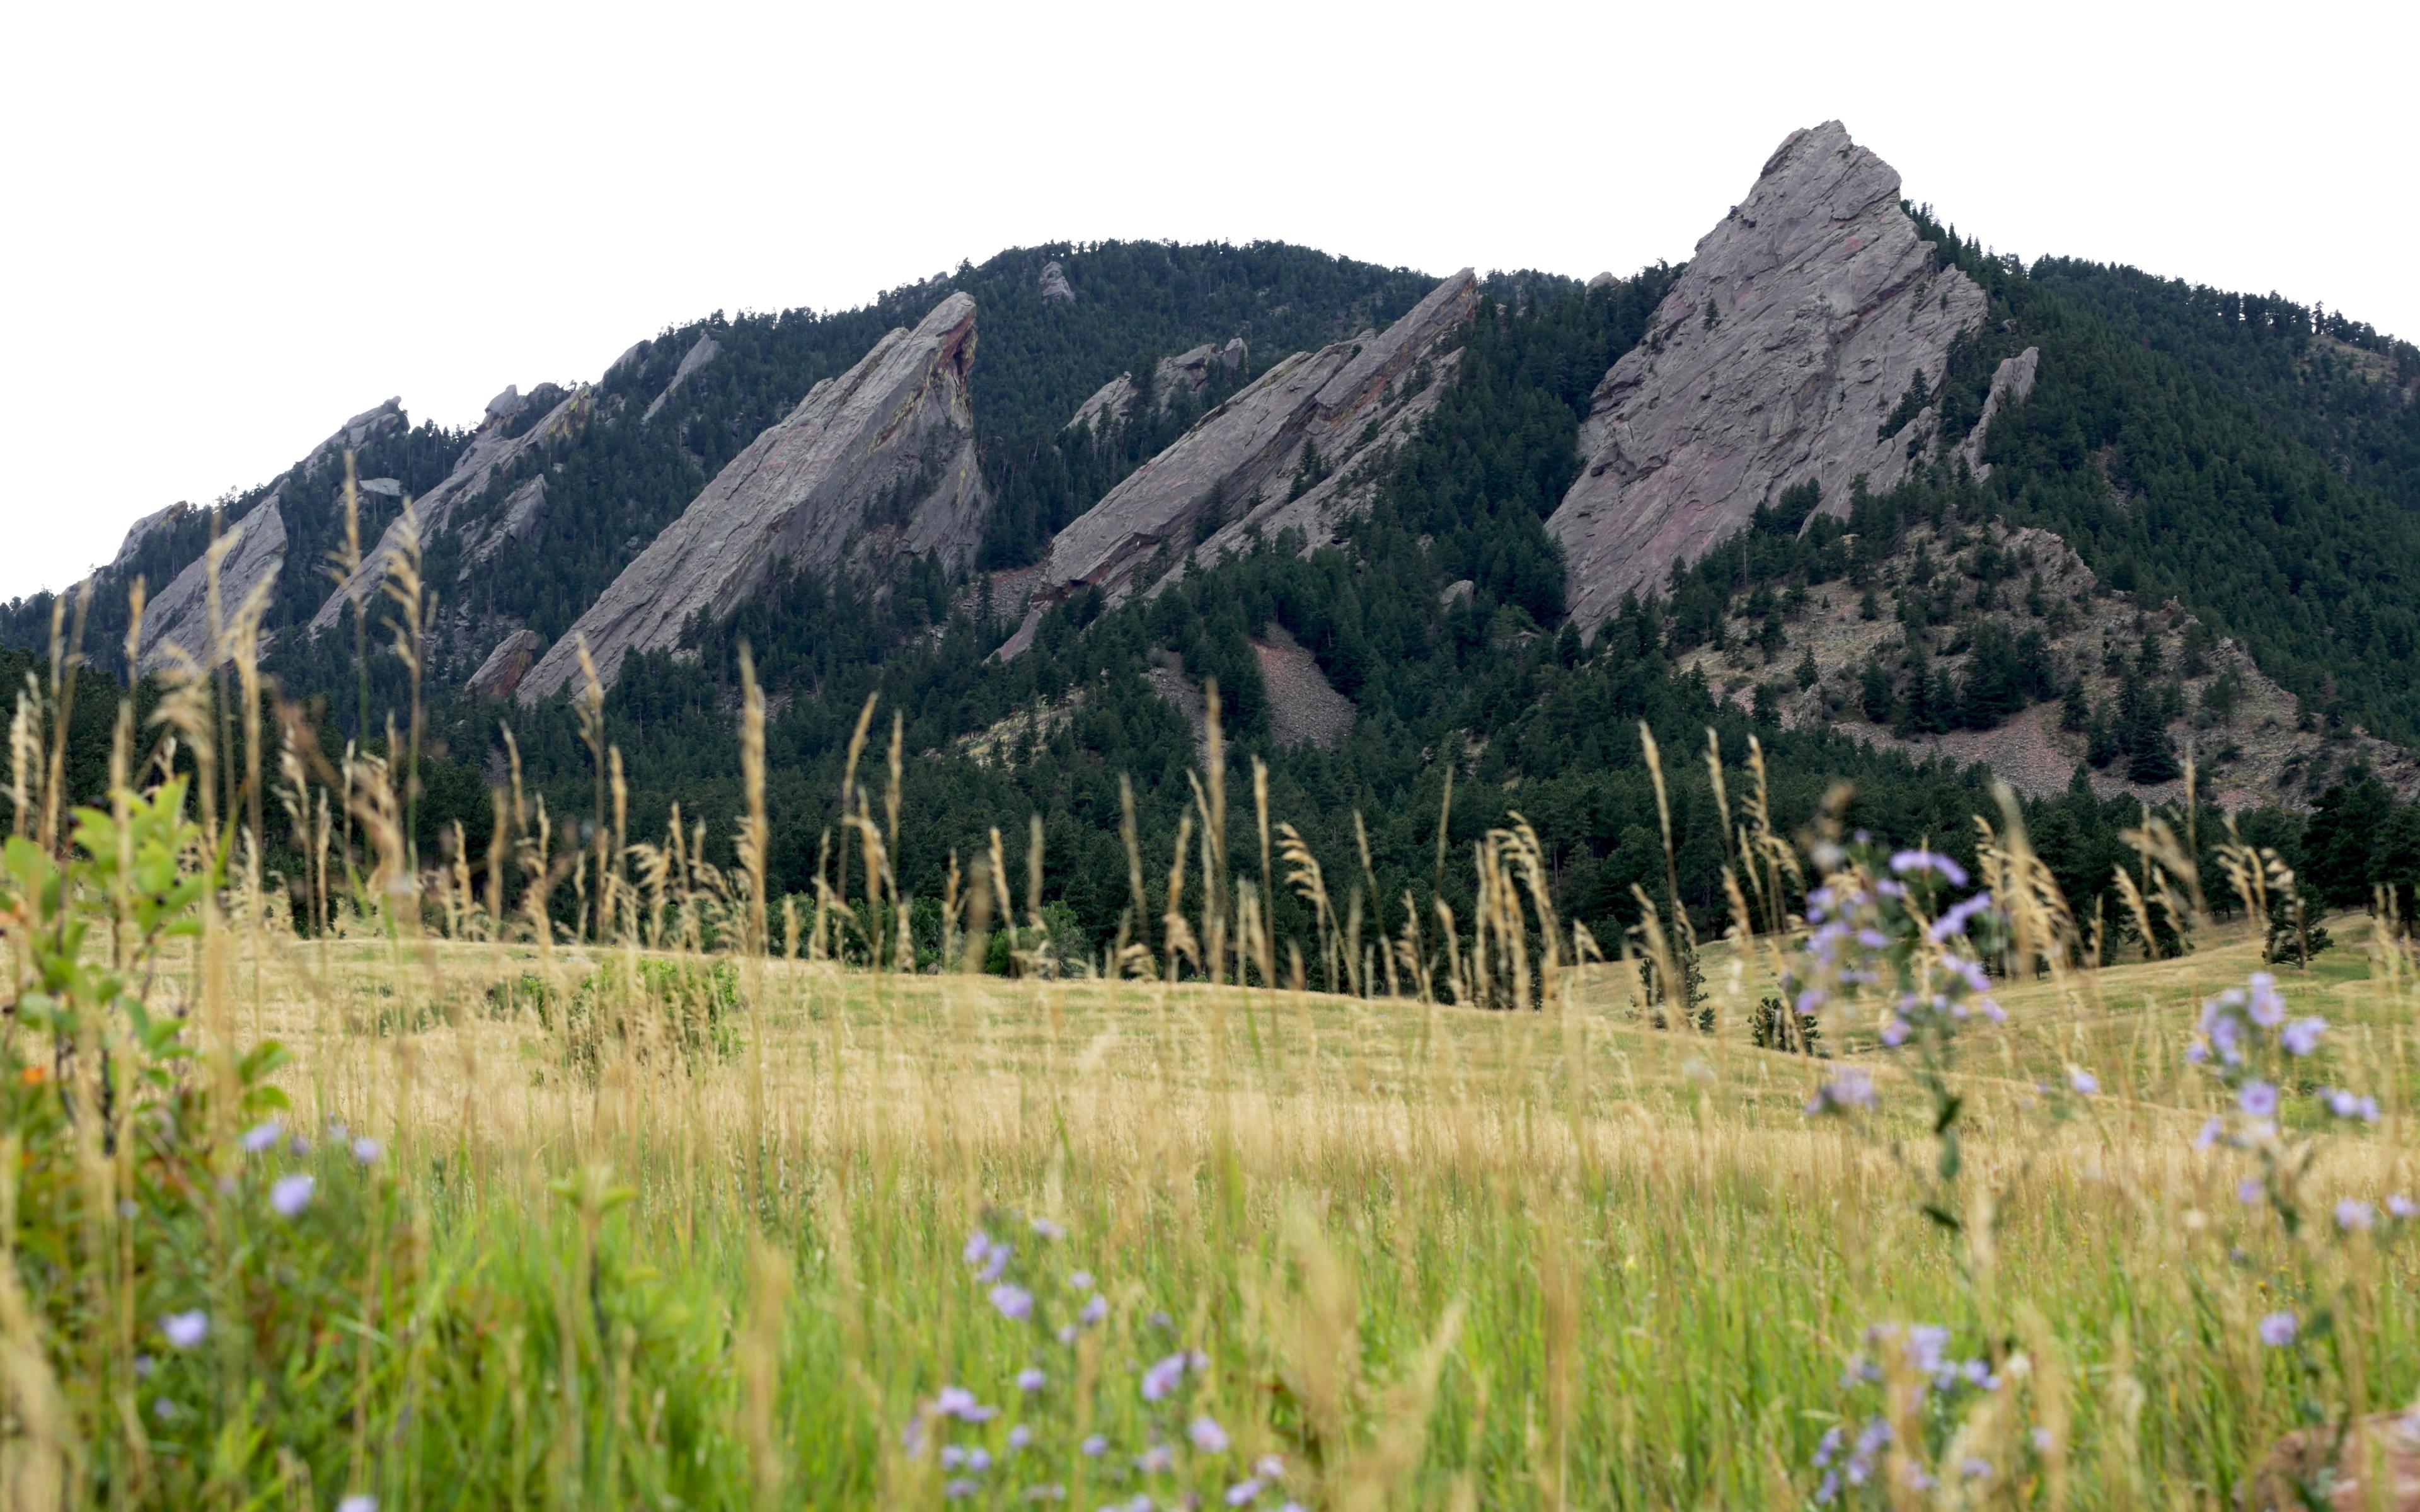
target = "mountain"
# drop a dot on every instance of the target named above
(1910, 515)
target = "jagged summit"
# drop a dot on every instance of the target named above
(870, 468)
(1781, 356)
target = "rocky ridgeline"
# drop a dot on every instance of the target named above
(494, 447)
(1777, 359)
(871, 468)
(1243, 470)
(179, 615)
(1185, 376)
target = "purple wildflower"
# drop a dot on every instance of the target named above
(1207, 1436)
(1048, 1229)
(1031, 1378)
(1020, 1436)
(183, 1331)
(1014, 1301)
(978, 1248)
(290, 1194)
(959, 1489)
(2402, 1207)
(1954, 919)
(1081, 1280)
(1895, 1032)
(358, 1502)
(2301, 1036)
(2278, 1329)
(1949, 870)
(2353, 1214)
(1827, 1446)
(2249, 1190)
(2211, 1128)
(2083, 1080)
(958, 1403)
(1163, 1377)
(1242, 1492)
(1269, 1466)
(1155, 1460)
(2268, 1005)
(1095, 1310)
(1094, 1447)
(261, 1135)
(2259, 1097)
(1974, 1467)
(365, 1149)
(1852, 1088)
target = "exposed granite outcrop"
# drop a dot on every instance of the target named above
(517, 521)
(490, 449)
(1108, 404)
(1775, 359)
(1055, 289)
(506, 666)
(1230, 476)
(2012, 382)
(1188, 374)
(871, 468)
(180, 614)
(700, 351)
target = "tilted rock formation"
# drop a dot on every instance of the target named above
(1110, 402)
(506, 666)
(488, 451)
(180, 614)
(1230, 474)
(1775, 359)
(1055, 289)
(2012, 381)
(1188, 374)
(517, 521)
(1185, 374)
(872, 467)
(700, 351)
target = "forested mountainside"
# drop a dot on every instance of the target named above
(2062, 524)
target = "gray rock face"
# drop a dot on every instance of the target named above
(517, 521)
(384, 487)
(2012, 382)
(1108, 405)
(1778, 356)
(1055, 287)
(506, 404)
(180, 614)
(1234, 478)
(700, 351)
(136, 532)
(1188, 374)
(489, 450)
(1231, 474)
(873, 467)
(506, 666)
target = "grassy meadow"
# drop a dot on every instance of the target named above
(406, 1187)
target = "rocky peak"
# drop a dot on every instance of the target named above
(1285, 451)
(179, 615)
(1780, 357)
(1055, 289)
(872, 467)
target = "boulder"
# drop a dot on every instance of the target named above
(1055, 289)
(1776, 357)
(384, 487)
(506, 666)
(1240, 471)
(180, 614)
(871, 468)
(700, 351)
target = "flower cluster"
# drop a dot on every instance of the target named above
(1009, 1451)
(1924, 1383)
(1890, 928)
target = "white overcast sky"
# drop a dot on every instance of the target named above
(225, 228)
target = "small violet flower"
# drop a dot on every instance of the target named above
(1207, 1436)
(2278, 1329)
(261, 1135)
(290, 1194)
(1014, 1301)
(183, 1331)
